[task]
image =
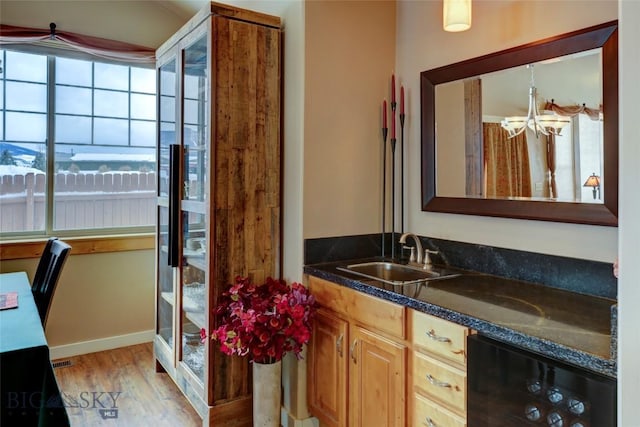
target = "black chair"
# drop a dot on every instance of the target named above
(47, 275)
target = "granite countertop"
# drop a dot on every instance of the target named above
(567, 326)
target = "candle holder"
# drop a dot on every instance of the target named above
(402, 116)
(384, 183)
(393, 167)
(393, 198)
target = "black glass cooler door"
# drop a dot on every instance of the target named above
(510, 387)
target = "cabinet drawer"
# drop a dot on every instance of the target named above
(382, 315)
(426, 413)
(444, 383)
(440, 337)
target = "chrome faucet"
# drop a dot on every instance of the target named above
(427, 258)
(418, 247)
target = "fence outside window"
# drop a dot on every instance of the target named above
(83, 130)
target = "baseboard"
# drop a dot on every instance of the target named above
(286, 420)
(102, 344)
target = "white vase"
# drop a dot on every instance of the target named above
(266, 394)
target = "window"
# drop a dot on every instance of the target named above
(77, 145)
(578, 155)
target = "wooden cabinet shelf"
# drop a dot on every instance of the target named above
(198, 319)
(194, 206)
(168, 297)
(197, 261)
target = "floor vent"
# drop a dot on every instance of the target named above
(61, 364)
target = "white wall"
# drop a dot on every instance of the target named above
(629, 226)
(497, 25)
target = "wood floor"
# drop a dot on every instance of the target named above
(126, 376)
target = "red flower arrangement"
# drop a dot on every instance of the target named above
(263, 322)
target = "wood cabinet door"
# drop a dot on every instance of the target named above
(327, 369)
(377, 389)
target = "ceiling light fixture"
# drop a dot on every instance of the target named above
(539, 123)
(456, 15)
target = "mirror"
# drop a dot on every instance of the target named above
(459, 100)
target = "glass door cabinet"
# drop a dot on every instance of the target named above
(218, 194)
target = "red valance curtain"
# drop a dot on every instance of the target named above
(104, 48)
(573, 110)
(551, 165)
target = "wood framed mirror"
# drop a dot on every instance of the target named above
(604, 39)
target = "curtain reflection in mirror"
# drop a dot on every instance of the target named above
(507, 172)
(551, 165)
(574, 110)
(527, 167)
(575, 153)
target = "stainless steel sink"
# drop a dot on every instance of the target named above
(398, 274)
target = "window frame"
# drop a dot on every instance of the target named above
(52, 49)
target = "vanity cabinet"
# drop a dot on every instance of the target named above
(218, 205)
(438, 390)
(328, 368)
(357, 357)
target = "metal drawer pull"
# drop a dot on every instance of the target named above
(339, 344)
(437, 383)
(429, 422)
(431, 334)
(353, 351)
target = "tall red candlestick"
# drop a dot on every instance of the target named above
(393, 123)
(401, 99)
(384, 114)
(393, 89)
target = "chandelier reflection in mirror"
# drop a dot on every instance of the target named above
(539, 123)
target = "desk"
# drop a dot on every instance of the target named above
(28, 389)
